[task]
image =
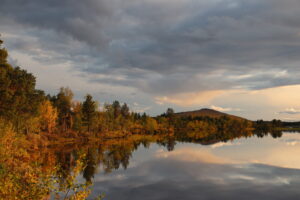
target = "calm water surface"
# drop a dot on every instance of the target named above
(245, 168)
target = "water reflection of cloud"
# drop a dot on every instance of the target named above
(292, 142)
(223, 144)
(192, 155)
(108, 178)
(279, 154)
(165, 178)
(256, 169)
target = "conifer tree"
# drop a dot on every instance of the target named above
(89, 111)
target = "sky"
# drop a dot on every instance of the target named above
(235, 56)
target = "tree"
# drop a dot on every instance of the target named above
(89, 110)
(63, 103)
(169, 112)
(3, 55)
(125, 110)
(198, 129)
(151, 125)
(109, 116)
(144, 118)
(276, 123)
(48, 116)
(19, 100)
(170, 115)
(117, 108)
(77, 115)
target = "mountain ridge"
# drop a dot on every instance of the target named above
(207, 112)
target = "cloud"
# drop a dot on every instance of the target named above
(290, 111)
(189, 99)
(221, 109)
(161, 47)
(181, 52)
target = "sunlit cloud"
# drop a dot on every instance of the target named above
(291, 111)
(189, 99)
(221, 109)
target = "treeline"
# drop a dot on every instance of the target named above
(31, 111)
(262, 126)
(114, 119)
(209, 130)
(196, 127)
(206, 130)
(200, 127)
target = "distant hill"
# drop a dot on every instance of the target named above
(206, 112)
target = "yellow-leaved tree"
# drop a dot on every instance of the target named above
(48, 116)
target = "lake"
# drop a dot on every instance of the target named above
(256, 167)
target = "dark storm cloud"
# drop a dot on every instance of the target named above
(78, 19)
(163, 47)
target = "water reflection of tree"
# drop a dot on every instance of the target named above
(115, 156)
(227, 135)
(91, 164)
(107, 156)
(65, 162)
(168, 142)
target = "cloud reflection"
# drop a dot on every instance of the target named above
(187, 173)
(192, 155)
